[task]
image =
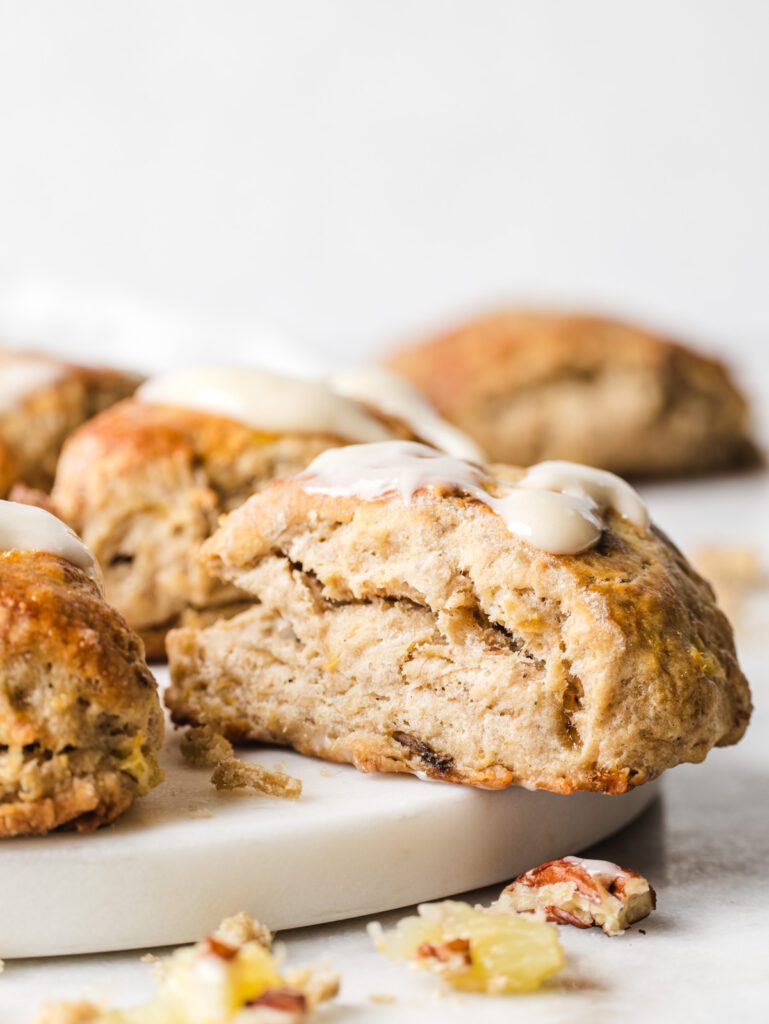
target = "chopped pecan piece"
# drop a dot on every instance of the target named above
(220, 948)
(582, 893)
(446, 951)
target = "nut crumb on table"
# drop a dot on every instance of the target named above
(233, 973)
(582, 893)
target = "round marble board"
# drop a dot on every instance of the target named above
(186, 856)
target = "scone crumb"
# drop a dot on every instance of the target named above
(232, 773)
(196, 811)
(318, 982)
(242, 928)
(80, 1012)
(385, 998)
(149, 958)
(203, 746)
(233, 971)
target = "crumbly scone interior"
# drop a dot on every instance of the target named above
(490, 665)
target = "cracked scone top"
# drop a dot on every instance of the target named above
(80, 719)
(402, 625)
(556, 506)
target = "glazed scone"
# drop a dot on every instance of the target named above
(529, 386)
(145, 482)
(42, 400)
(414, 613)
(80, 718)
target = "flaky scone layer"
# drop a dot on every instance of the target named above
(80, 718)
(426, 638)
(529, 386)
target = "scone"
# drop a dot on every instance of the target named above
(80, 718)
(42, 400)
(145, 482)
(417, 613)
(534, 386)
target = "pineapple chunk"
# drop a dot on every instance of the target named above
(475, 949)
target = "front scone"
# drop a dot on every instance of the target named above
(80, 719)
(416, 613)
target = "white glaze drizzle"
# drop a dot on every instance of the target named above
(602, 870)
(534, 508)
(394, 396)
(29, 528)
(266, 401)
(21, 376)
(605, 489)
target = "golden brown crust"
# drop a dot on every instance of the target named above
(529, 386)
(80, 720)
(426, 638)
(31, 435)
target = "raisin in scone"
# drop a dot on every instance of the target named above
(145, 483)
(80, 718)
(529, 386)
(418, 613)
(42, 400)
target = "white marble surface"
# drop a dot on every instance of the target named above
(704, 844)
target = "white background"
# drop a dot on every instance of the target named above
(346, 172)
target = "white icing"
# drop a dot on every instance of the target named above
(21, 376)
(396, 397)
(600, 869)
(533, 509)
(28, 528)
(266, 401)
(604, 488)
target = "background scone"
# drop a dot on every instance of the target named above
(403, 624)
(145, 482)
(529, 386)
(80, 719)
(42, 400)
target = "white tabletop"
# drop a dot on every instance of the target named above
(704, 844)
